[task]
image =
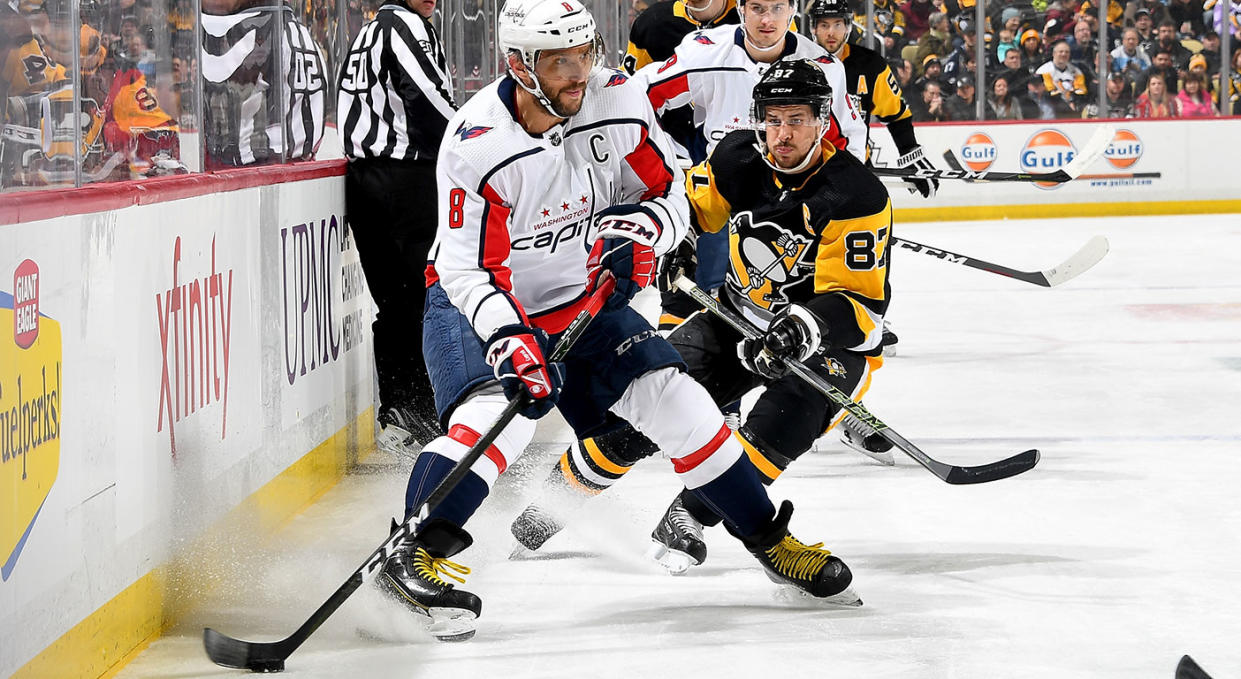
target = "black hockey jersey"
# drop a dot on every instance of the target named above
(875, 92)
(263, 85)
(818, 239)
(656, 32)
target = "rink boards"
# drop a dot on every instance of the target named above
(189, 358)
(175, 364)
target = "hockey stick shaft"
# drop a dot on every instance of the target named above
(949, 473)
(951, 159)
(1092, 151)
(270, 656)
(1087, 256)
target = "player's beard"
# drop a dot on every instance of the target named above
(564, 105)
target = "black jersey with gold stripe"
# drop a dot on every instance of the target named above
(656, 32)
(875, 91)
(818, 238)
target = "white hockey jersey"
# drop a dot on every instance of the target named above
(516, 210)
(712, 76)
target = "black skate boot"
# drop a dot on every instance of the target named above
(414, 574)
(861, 437)
(678, 540)
(404, 432)
(889, 340)
(810, 568)
(532, 528)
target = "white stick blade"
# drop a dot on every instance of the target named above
(1090, 254)
(1092, 151)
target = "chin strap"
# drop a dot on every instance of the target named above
(763, 153)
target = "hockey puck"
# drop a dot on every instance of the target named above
(266, 665)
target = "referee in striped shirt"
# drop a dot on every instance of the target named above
(395, 99)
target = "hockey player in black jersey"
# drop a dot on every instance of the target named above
(871, 83)
(808, 230)
(656, 32)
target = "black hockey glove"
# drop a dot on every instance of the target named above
(926, 186)
(681, 260)
(794, 333)
(516, 354)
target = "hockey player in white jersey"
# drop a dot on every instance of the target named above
(550, 179)
(713, 71)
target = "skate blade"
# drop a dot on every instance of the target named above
(519, 552)
(674, 561)
(397, 441)
(452, 624)
(885, 458)
(793, 594)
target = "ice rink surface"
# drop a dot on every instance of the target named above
(1119, 553)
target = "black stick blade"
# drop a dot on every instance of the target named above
(994, 471)
(1188, 669)
(226, 651)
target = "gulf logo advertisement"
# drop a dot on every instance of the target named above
(1046, 151)
(30, 414)
(1124, 150)
(978, 152)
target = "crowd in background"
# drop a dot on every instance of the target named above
(142, 72)
(1042, 60)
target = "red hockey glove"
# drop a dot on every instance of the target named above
(515, 353)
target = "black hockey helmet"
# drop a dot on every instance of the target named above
(829, 9)
(792, 81)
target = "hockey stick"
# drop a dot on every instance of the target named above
(1188, 669)
(1092, 151)
(1078, 262)
(269, 656)
(951, 159)
(953, 474)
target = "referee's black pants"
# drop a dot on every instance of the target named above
(391, 205)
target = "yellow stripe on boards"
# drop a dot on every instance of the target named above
(116, 632)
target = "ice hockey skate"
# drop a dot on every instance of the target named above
(862, 438)
(889, 340)
(678, 542)
(403, 433)
(811, 569)
(414, 576)
(533, 527)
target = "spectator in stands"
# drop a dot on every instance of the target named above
(1036, 105)
(1010, 20)
(955, 62)
(917, 18)
(929, 107)
(1032, 53)
(889, 18)
(1187, 14)
(1210, 52)
(1084, 45)
(904, 70)
(961, 106)
(893, 41)
(1161, 62)
(1065, 83)
(936, 40)
(1130, 58)
(1000, 104)
(1155, 8)
(932, 70)
(1145, 26)
(1115, 15)
(1229, 95)
(1166, 39)
(1156, 102)
(1012, 69)
(1119, 99)
(1193, 100)
(1007, 41)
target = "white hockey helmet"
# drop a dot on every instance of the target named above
(531, 26)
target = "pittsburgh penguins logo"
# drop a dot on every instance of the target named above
(766, 260)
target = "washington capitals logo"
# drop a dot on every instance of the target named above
(616, 79)
(471, 132)
(703, 40)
